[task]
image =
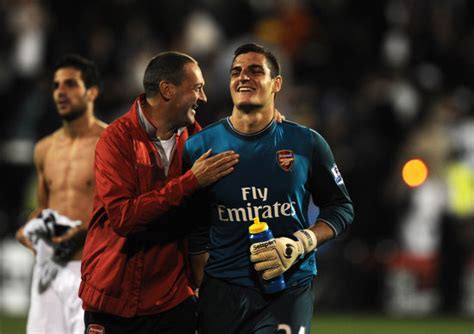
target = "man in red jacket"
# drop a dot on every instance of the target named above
(134, 273)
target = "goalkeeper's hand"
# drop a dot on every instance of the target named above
(274, 257)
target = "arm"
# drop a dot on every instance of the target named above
(336, 213)
(42, 193)
(198, 262)
(322, 232)
(198, 212)
(117, 185)
(67, 245)
(329, 193)
(23, 239)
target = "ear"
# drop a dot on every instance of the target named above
(277, 83)
(167, 89)
(93, 93)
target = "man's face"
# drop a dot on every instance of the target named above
(251, 85)
(189, 94)
(69, 93)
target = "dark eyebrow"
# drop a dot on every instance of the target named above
(251, 67)
(72, 80)
(255, 66)
(235, 68)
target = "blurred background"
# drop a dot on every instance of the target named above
(384, 81)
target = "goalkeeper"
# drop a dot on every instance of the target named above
(281, 166)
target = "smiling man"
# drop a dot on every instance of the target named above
(281, 166)
(64, 165)
(134, 277)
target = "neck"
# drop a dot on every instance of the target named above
(80, 126)
(158, 114)
(253, 121)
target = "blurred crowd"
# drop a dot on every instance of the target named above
(382, 81)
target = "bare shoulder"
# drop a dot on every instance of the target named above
(44, 144)
(98, 128)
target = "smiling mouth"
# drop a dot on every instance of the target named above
(194, 108)
(244, 89)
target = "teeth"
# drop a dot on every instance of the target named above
(244, 89)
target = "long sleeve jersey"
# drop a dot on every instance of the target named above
(279, 169)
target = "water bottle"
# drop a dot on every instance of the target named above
(259, 232)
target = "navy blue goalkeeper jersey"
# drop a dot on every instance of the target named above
(279, 169)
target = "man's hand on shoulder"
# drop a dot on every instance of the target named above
(278, 116)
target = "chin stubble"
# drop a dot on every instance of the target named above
(74, 114)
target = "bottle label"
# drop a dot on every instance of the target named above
(264, 244)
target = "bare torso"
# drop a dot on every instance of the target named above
(66, 173)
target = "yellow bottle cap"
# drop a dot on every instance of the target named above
(257, 226)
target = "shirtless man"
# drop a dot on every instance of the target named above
(64, 164)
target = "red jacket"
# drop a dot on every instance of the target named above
(134, 257)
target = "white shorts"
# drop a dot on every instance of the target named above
(56, 308)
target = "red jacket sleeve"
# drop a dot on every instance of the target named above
(118, 187)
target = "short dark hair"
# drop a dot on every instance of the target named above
(88, 69)
(165, 66)
(271, 59)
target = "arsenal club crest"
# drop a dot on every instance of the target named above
(285, 159)
(95, 329)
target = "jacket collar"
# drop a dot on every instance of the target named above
(145, 123)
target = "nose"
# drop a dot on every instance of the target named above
(243, 76)
(60, 89)
(202, 96)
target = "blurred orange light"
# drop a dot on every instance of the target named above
(414, 172)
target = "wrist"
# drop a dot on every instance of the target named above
(308, 240)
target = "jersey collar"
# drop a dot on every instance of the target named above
(268, 129)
